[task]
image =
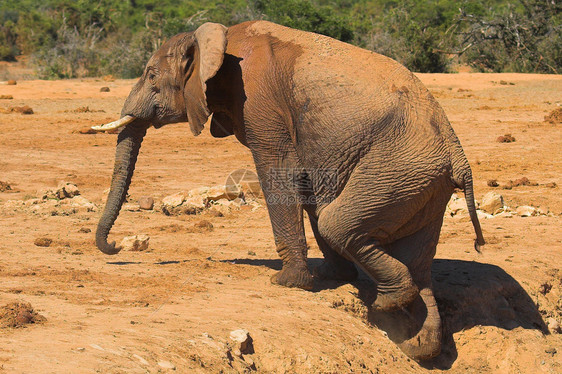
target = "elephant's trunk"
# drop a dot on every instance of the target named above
(128, 146)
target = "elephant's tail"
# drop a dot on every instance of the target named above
(469, 197)
(462, 178)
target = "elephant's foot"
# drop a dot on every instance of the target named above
(294, 276)
(425, 345)
(395, 299)
(342, 270)
(416, 329)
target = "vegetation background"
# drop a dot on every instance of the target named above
(79, 38)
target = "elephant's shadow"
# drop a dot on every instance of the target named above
(467, 293)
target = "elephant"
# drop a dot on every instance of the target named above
(348, 136)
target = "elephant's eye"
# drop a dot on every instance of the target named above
(151, 77)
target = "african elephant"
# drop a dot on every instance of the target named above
(356, 139)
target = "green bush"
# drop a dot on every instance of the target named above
(68, 39)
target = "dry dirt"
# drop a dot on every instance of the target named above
(174, 305)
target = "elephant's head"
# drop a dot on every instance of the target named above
(172, 89)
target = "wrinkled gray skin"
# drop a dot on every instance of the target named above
(309, 103)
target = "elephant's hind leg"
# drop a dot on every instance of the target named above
(334, 266)
(420, 323)
(395, 286)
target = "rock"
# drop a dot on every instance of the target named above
(483, 215)
(551, 185)
(141, 360)
(242, 342)
(135, 243)
(216, 193)
(84, 230)
(6, 97)
(104, 89)
(131, 207)
(146, 202)
(223, 206)
(553, 326)
(82, 203)
(492, 183)
(492, 203)
(174, 200)
(504, 214)
(526, 211)
(68, 189)
(457, 205)
(198, 191)
(11, 82)
(166, 365)
(43, 242)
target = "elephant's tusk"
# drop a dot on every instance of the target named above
(115, 124)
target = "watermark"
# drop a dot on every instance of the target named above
(288, 186)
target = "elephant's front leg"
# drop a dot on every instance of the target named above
(286, 213)
(288, 229)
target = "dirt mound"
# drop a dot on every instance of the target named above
(507, 138)
(555, 116)
(17, 109)
(19, 314)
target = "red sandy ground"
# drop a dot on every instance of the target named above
(103, 313)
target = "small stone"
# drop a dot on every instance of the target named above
(135, 243)
(146, 202)
(6, 97)
(141, 360)
(483, 215)
(507, 138)
(11, 82)
(553, 325)
(131, 207)
(85, 230)
(456, 205)
(526, 211)
(104, 89)
(174, 200)
(551, 185)
(87, 130)
(66, 189)
(492, 203)
(43, 242)
(492, 183)
(83, 204)
(217, 193)
(166, 365)
(5, 186)
(242, 342)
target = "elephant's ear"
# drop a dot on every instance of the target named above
(210, 40)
